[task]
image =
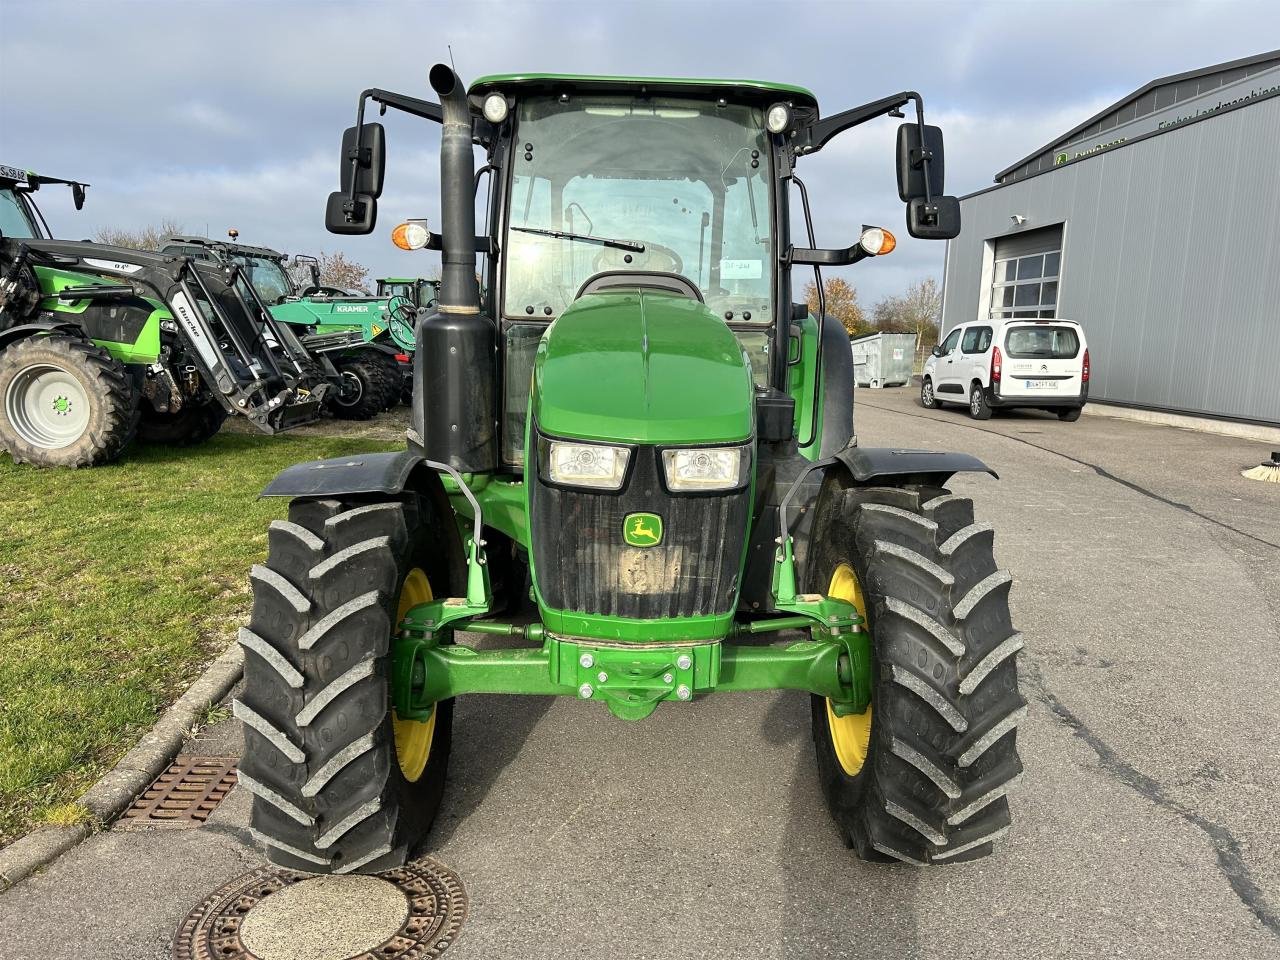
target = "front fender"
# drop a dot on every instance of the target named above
(875, 465)
(385, 473)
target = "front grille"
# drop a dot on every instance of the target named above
(583, 564)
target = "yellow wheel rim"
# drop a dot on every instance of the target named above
(413, 737)
(850, 735)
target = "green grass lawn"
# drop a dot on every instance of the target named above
(120, 584)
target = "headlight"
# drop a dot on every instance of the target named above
(778, 118)
(704, 468)
(588, 464)
(495, 108)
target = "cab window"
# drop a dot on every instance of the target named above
(949, 344)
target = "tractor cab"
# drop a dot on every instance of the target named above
(421, 293)
(20, 218)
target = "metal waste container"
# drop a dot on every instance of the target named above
(883, 359)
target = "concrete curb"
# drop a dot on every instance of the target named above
(107, 798)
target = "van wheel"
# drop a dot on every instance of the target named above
(979, 409)
(1070, 415)
(927, 399)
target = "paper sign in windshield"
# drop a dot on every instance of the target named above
(741, 269)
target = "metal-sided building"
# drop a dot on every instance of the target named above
(1156, 225)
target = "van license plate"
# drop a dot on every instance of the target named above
(1041, 384)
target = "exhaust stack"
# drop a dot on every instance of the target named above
(454, 375)
(459, 292)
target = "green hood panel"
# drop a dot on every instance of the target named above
(642, 366)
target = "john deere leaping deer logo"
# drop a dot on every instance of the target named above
(642, 529)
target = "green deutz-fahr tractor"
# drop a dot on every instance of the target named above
(639, 413)
(360, 335)
(99, 344)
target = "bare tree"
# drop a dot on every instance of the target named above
(917, 311)
(139, 238)
(841, 303)
(339, 270)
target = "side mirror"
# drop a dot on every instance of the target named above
(368, 145)
(346, 216)
(939, 220)
(77, 194)
(911, 153)
(937, 351)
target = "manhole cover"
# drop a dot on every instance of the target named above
(218, 928)
(182, 796)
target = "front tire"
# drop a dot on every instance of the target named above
(197, 422)
(927, 398)
(339, 783)
(367, 388)
(922, 777)
(64, 402)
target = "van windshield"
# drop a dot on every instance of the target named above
(1042, 341)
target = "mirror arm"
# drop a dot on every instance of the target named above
(820, 131)
(826, 258)
(419, 108)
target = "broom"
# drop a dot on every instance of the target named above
(1269, 471)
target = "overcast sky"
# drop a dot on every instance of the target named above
(220, 114)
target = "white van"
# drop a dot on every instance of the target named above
(1010, 363)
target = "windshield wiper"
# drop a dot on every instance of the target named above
(585, 238)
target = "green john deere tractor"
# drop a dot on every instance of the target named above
(639, 418)
(99, 344)
(353, 332)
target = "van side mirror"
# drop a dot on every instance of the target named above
(911, 154)
(367, 147)
(937, 350)
(939, 220)
(346, 216)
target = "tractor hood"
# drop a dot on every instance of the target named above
(642, 366)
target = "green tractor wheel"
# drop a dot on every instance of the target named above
(339, 783)
(368, 387)
(64, 402)
(921, 777)
(195, 423)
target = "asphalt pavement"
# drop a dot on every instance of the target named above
(1147, 584)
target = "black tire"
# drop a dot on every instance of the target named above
(945, 704)
(329, 794)
(111, 419)
(928, 399)
(195, 423)
(1069, 415)
(395, 379)
(367, 390)
(979, 408)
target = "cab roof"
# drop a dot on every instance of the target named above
(751, 91)
(231, 245)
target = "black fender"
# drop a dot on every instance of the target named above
(364, 473)
(837, 389)
(39, 328)
(378, 475)
(881, 466)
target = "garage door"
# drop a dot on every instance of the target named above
(1025, 281)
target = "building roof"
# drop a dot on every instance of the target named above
(754, 90)
(1156, 96)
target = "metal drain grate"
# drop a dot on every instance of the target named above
(182, 796)
(437, 906)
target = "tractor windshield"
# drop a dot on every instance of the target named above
(268, 278)
(15, 218)
(668, 185)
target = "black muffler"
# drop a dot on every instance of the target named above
(455, 372)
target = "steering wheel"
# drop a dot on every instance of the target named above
(655, 258)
